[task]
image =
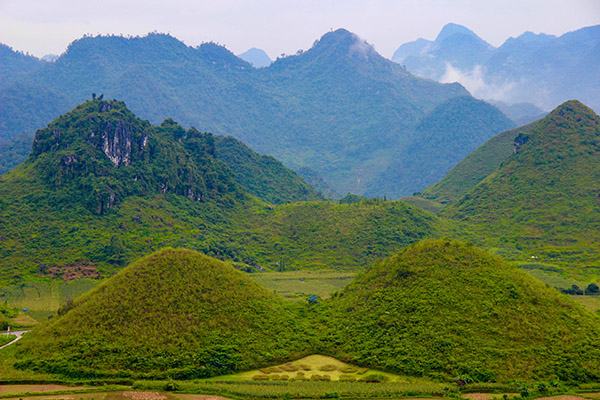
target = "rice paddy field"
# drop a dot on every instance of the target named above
(298, 285)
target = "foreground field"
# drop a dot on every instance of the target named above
(289, 390)
(72, 393)
(315, 367)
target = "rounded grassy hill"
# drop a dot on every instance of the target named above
(174, 313)
(448, 309)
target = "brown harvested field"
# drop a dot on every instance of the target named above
(201, 397)
(487, 396)
(9, 389)
(67, 396)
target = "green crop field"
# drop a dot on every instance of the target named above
(315, 367)
(297, 285)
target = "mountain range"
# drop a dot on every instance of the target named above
(339, 108)
(538, 69)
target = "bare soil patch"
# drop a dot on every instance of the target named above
(9, 389)
(487, 396)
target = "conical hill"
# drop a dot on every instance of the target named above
(545, 199)
(448, 309)
(173, 313)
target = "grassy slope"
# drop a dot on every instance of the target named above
(175, 310)
(331, 235)
(543, 200)
(443, 137)
(263, 176)
(447, 308)
(474, 167)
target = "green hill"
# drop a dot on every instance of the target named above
(443, 137)
(263, 176)
(174, 313)
(543, 200)
(439, 308)
(448, 309)
(103, 188)
(475, 167)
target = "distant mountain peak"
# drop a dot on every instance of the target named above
(343, 37)
(257, 57)
(453, 29)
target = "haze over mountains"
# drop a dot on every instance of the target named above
(339, 109)
(539, 69)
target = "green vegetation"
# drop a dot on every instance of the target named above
(543, 201)
(307, 389)
(442, 138)
(312, 368)
(99, 214)
(475, 167)
(263, 176)
(175, 313)
(298, 285)
(4, 339)
(448, 309)
(344, 114)
(440, 308)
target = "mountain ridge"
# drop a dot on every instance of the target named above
(338, 108)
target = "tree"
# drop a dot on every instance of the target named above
(592, 289)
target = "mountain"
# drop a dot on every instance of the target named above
(445, 136)
(475, 167)
(532, 68)
(455, 45)
(520, 113)
(447, 309)
(257, 57)
(543, 200)
(263, 176)
(178, 313)
(102, 188)
(15, 64)
(338, 108)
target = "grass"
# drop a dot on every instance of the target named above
(6, 339)
(592, 303)
(43, 297)
(307, 389)
(298, 285)
(309, 366)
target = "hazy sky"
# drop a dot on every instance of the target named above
(279, 26)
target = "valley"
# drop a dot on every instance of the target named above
(326, 225)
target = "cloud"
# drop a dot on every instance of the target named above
(475, 82)
(361, 47)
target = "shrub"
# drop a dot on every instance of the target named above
(261, 378)
(171, 386)
(374, 378)
(349, 369)
(300, 377)
(305, 367)
(327, 367)
(347, 378)
(290, 368)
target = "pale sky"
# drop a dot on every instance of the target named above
(40, 27)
